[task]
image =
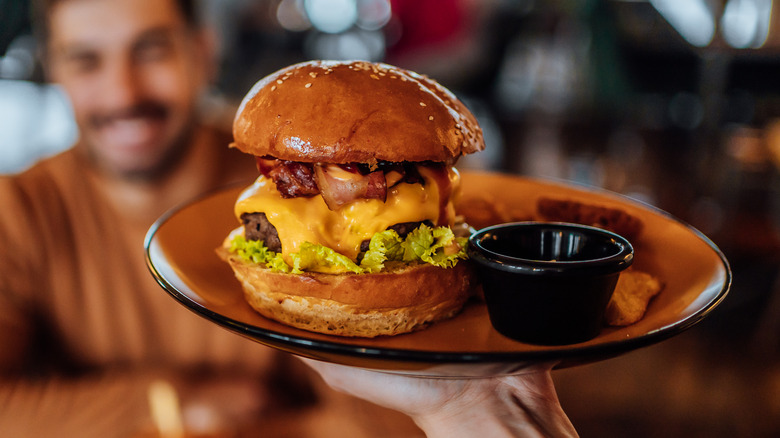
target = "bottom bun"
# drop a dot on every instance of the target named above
(403, 299)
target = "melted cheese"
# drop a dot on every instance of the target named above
(303, 219)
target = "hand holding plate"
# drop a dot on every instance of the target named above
(507, 406)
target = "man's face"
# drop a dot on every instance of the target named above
(134, 71)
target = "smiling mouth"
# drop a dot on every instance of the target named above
(132, 127)
(132, 133)
(144, 110)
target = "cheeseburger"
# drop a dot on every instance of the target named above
(350, 227)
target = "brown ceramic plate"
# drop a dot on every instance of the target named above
(180, 254)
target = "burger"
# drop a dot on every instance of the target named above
(350, 228)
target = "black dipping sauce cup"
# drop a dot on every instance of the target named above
(548, 283)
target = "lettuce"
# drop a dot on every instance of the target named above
(277, 264)
(255, 251)
(318, 258)
(437, 246)
(384, 245)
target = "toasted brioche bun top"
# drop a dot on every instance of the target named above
(354, 111)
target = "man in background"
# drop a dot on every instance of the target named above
(89, 343)
(84, 334)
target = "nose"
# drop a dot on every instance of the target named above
(121, 87)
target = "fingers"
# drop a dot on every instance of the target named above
(346, 379)
(406, 394)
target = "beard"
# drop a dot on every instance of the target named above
(166, 152)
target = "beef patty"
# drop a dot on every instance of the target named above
(257, 227)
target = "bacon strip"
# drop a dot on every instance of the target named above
(294, 179)
(265, 165)
(377, 186)
(341, 185)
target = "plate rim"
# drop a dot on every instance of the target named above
(275, 339)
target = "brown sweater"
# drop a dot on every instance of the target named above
(85, 329)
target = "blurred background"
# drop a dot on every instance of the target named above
(672, 102)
